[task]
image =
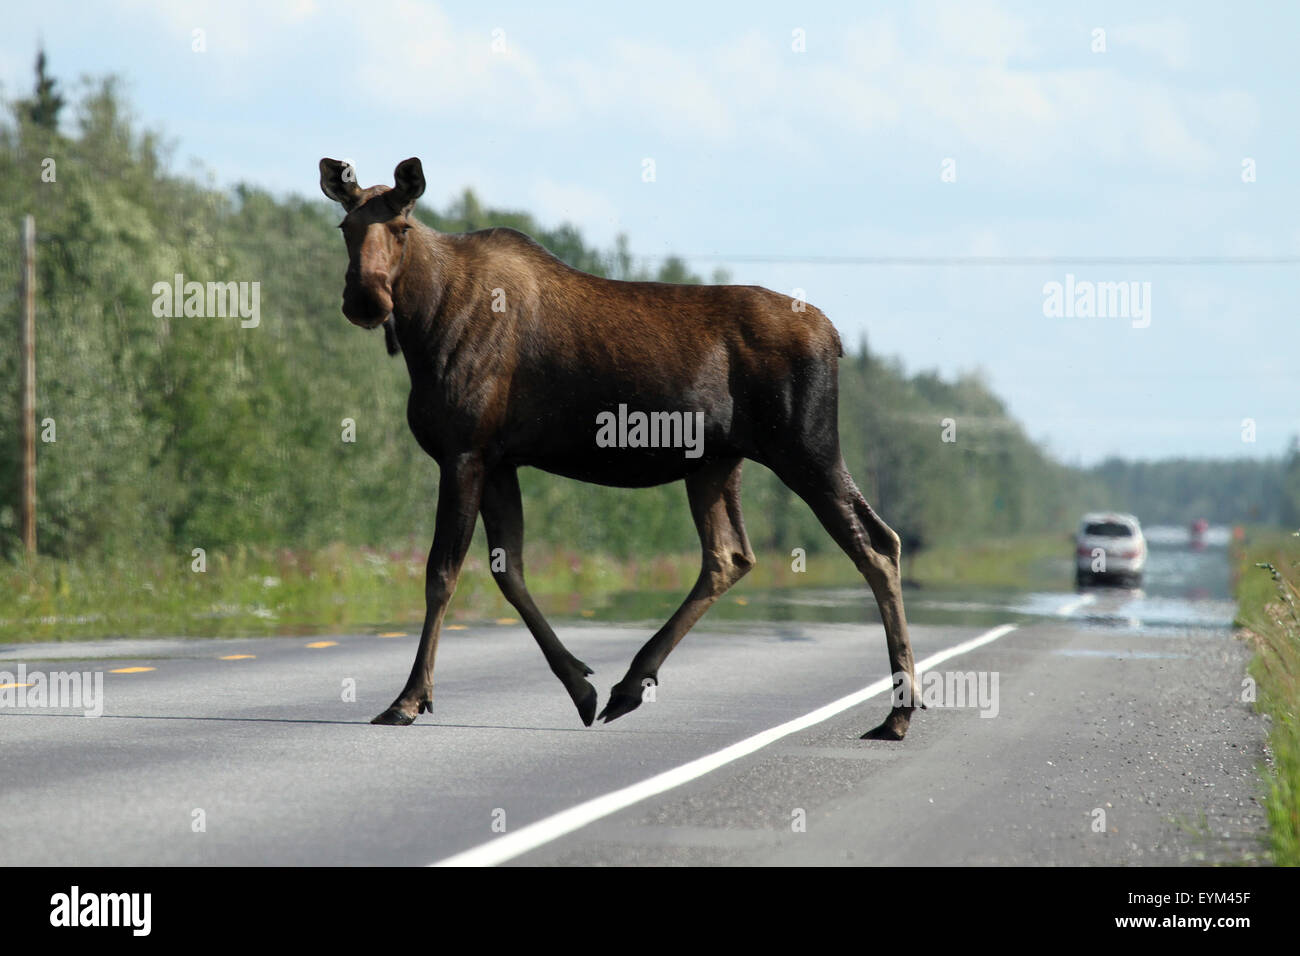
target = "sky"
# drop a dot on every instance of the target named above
(921, 172)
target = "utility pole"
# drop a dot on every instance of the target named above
(29, 386)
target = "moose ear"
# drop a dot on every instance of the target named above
(338, 181)
(408, 181)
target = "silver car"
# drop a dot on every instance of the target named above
(1109, 548)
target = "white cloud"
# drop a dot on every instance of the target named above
(954, 76)
(413, 57)
(976, 31)
(1169, 41)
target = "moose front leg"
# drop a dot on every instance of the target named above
(460, 488)
(503, 519)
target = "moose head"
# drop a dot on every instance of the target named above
(374, 228)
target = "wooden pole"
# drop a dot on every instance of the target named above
(29, 385)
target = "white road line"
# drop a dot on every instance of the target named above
(511, 845)
(1069, 607)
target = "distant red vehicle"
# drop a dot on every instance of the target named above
(1197, 532)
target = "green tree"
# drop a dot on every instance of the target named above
(46, 102)
(183, 432)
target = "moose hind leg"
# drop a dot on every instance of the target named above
(503, 519)
(875, 550)
(714, 494)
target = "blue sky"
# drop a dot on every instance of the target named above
(838, 150)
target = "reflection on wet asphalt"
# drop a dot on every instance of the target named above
(1185, 589)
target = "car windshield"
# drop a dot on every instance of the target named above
(1107, 529)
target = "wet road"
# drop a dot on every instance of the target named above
(1105, 727)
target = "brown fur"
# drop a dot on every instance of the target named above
(513, 354)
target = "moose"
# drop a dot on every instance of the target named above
(514, 357)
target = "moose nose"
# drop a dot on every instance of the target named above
(367, 299)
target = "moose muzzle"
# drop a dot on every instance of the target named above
(367, 299)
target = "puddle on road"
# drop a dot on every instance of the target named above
(1185, 590)
(1119, 654)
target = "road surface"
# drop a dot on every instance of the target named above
(1120, 737)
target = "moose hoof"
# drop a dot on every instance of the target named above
(894, 726)
(585, 698)
(393, 717)
(620, 703)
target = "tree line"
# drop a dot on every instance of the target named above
(181, 432)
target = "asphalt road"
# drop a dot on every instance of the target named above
(1097, 710)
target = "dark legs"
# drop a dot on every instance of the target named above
(459, 492)
(503, 517)
(714, 494)
(875, 551)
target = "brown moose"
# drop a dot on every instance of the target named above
(513, 358)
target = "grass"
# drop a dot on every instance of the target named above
(1025, 562)
(260, 592)
(247, 591)
(1268, 614)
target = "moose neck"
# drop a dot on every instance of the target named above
(417, 286)
(418, 293)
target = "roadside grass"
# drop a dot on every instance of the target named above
(1268, 615)
(251, 592)
(1025, 562)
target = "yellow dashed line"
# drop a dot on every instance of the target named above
(587, 613)
(455, 627)
(324, 644)
(13, 686)
(130, 670)
(507, 620)
(393, 634)
(239, 657)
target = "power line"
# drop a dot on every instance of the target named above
(988, 261)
